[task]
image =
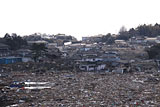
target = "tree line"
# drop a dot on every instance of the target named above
(142, 30)
(124, 34)
(14, 41)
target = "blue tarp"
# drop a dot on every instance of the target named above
(16, 85)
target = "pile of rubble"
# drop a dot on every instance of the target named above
(59, 65)
(74, 89)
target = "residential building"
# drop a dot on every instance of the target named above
(4, 50)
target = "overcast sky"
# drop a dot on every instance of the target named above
(75, 17)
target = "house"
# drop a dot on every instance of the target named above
(110, 56)
(88, 58)
(90, 48)
(137, 40)
(4, 50)
(92, 66)
(37, 42)
(24, 52)
(150, 40)
(92, 39)
(96, 60)
(91, 57)
(51, 45)
(85, 38)
(120, 42)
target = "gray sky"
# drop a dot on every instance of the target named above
(75, 17)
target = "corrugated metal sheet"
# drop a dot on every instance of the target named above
(10, 60)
